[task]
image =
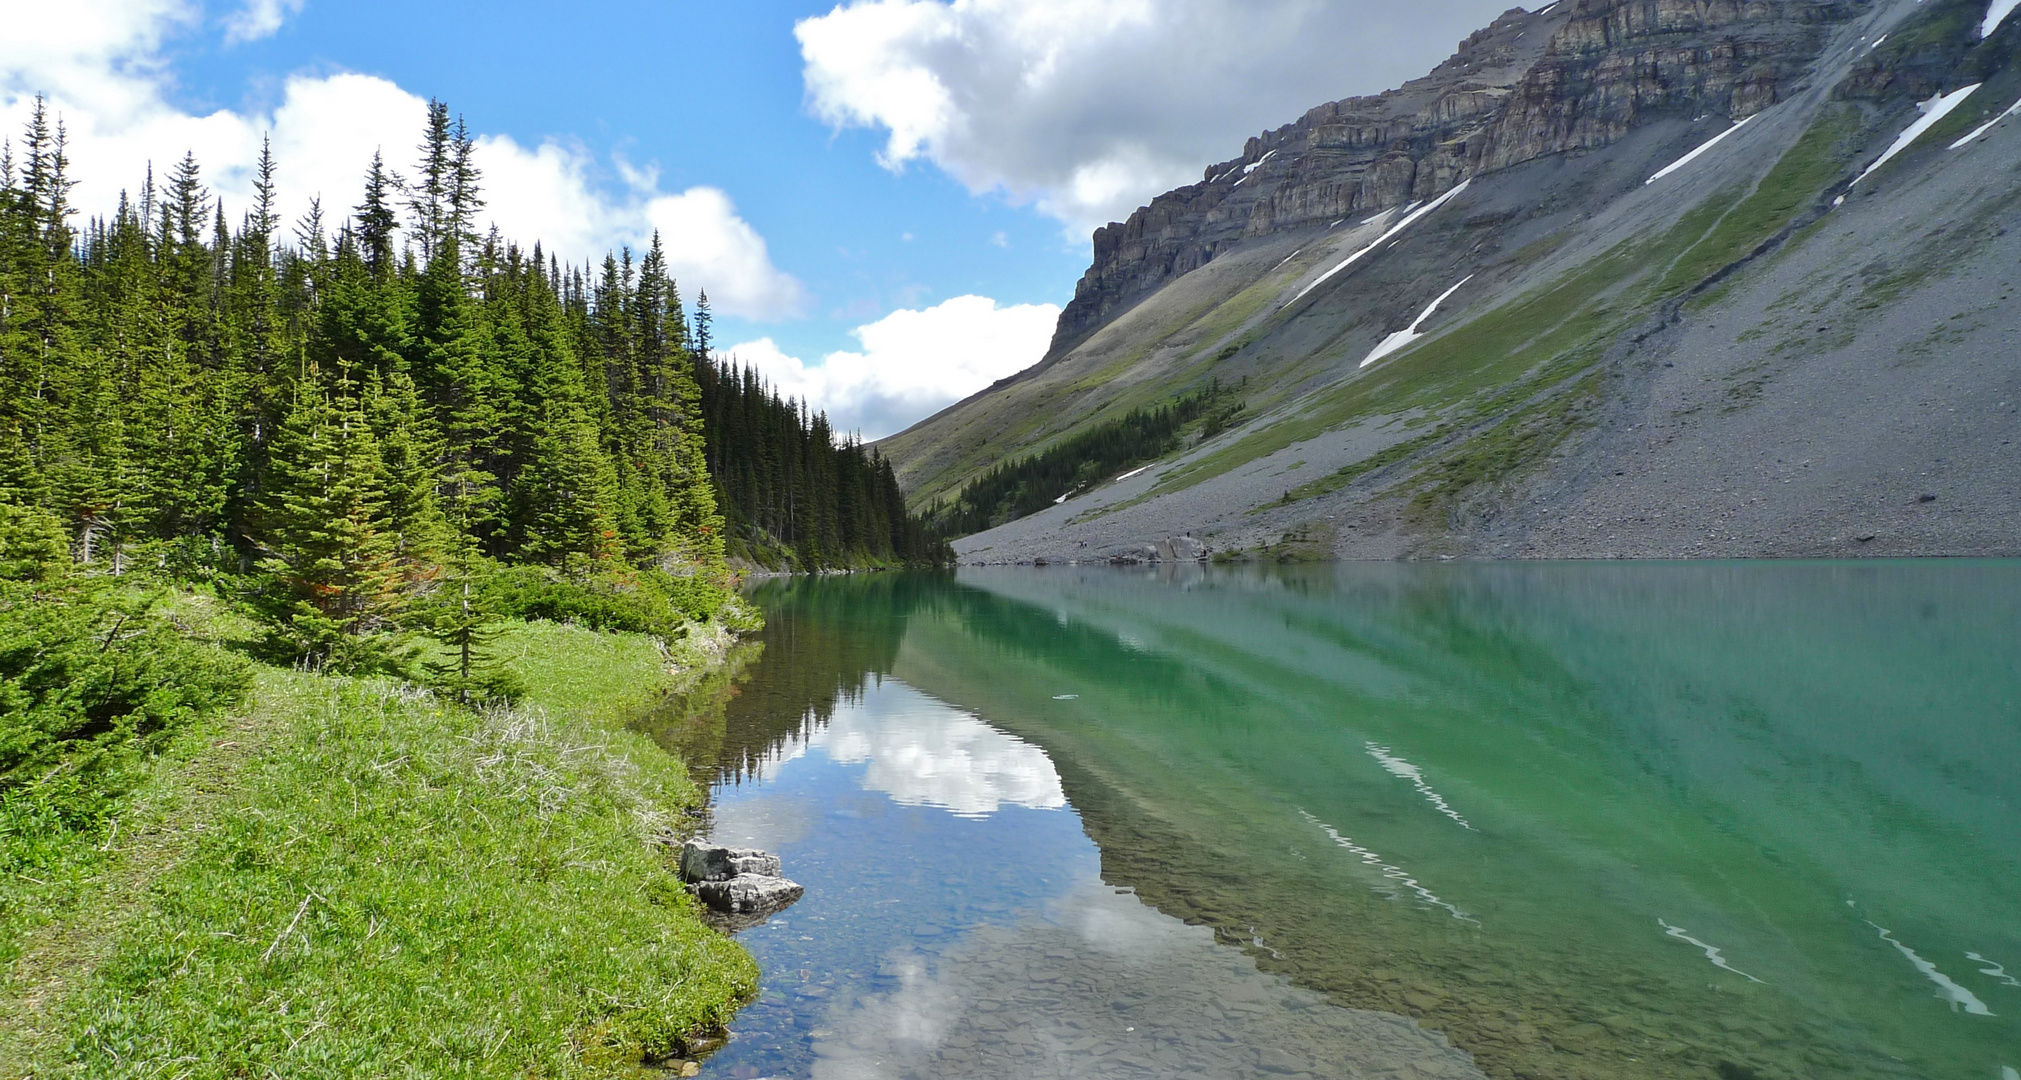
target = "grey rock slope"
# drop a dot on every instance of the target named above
(1750, 355)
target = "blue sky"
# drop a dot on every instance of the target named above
(887, 199)
(710, 93)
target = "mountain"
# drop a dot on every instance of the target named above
(1634, 278)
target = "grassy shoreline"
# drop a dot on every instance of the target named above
(350, 877)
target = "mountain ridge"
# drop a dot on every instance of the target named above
(1236, 275)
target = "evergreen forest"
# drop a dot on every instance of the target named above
(1029, 484)
(377, 419)
(793, 493)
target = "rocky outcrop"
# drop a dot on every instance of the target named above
(1577, 75)
(703, 861)
(741, 883)
(748, 894)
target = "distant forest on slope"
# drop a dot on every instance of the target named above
(795, 496)
(357, 406)
(1029, 484)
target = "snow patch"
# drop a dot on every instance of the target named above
(1547, 10)
(1388, 870)
(2014, 110)
(1133, 472)
(1410, 333)
(1958, 996)
(1996, 13)
(1711, 953)
(1690, 157)
(1393, 230)
(1253, 166)
(1995, 971)
(1934, 111)
(1397, 766)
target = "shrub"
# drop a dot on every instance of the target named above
(642, 601)
(32, 543)
(92, 679)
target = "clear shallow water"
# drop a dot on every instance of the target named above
(1585, 820)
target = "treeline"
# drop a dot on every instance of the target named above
(380, 422)
(1026, 486)
(794, 497)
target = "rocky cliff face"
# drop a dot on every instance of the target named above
(1577, 75)
(1642, 330)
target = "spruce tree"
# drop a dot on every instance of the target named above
(329, 550)
(377, 219)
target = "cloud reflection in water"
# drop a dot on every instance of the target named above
(922, 753)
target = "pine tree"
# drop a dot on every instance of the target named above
(327, 542)
(376, 218)
(705, 326)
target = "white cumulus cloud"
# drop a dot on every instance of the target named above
(101, 65)
(1087, 108)
(913, 363)
(258, 19)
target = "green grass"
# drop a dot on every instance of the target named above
(1340, 478)
(1489, 351)
(352, 878)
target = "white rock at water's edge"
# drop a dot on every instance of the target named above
(704, 861)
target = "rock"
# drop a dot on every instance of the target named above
(704, 861)
(749, 894)
(1273, 1060)
(1530, 85)
(1927, 497)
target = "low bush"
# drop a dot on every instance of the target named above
(92, 678)
(640, 601)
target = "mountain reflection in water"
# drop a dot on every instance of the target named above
(1782, 758)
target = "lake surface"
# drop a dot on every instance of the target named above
(1395, 820)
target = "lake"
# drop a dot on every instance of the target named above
(1380, 820)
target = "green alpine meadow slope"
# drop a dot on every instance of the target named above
(263, 869)
(1620, 279)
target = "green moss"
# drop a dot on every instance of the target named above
(1796, 182)
(1381, 459)
(1510, 447)
(1943, 23)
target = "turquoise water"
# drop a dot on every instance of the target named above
(1579, 820)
